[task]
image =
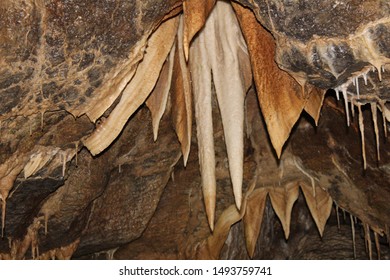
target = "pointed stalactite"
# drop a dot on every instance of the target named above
(181, 97)
(320, 205)
(218, 50)
(136, 92)
(367, 237)
(353, 236)
(376, 130)
(282, 200)
(253, 218)
(195, 16)
(201, 85)
(158, 98)
(382, 107)
(361, 127)
(280, 96)
(231, 72)
(345, 97)
(314, 103)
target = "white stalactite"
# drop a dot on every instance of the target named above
(219, 51)
(361, 127)
(375, 121)
(201, 81)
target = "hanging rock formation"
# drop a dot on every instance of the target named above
(194, 129)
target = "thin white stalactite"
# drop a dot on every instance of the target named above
(352, 107)
(361, 127)
(338, 217)
(357, 86)
(345, 96)
(383, 108)
(375, 121)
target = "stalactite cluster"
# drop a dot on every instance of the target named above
(204, 51)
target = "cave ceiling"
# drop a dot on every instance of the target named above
(194, 129)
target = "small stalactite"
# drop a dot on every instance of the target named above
(361, 127)
(365, 78)
(353, 235)
(345, 96)
(357, 86)
(378, 68)
(110, 254)
(368, 243)
(375, 121)
(383, 108)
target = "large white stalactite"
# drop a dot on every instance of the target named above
(219, 55)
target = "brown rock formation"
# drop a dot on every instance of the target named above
(272, 166)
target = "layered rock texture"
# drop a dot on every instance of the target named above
(194, 129)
